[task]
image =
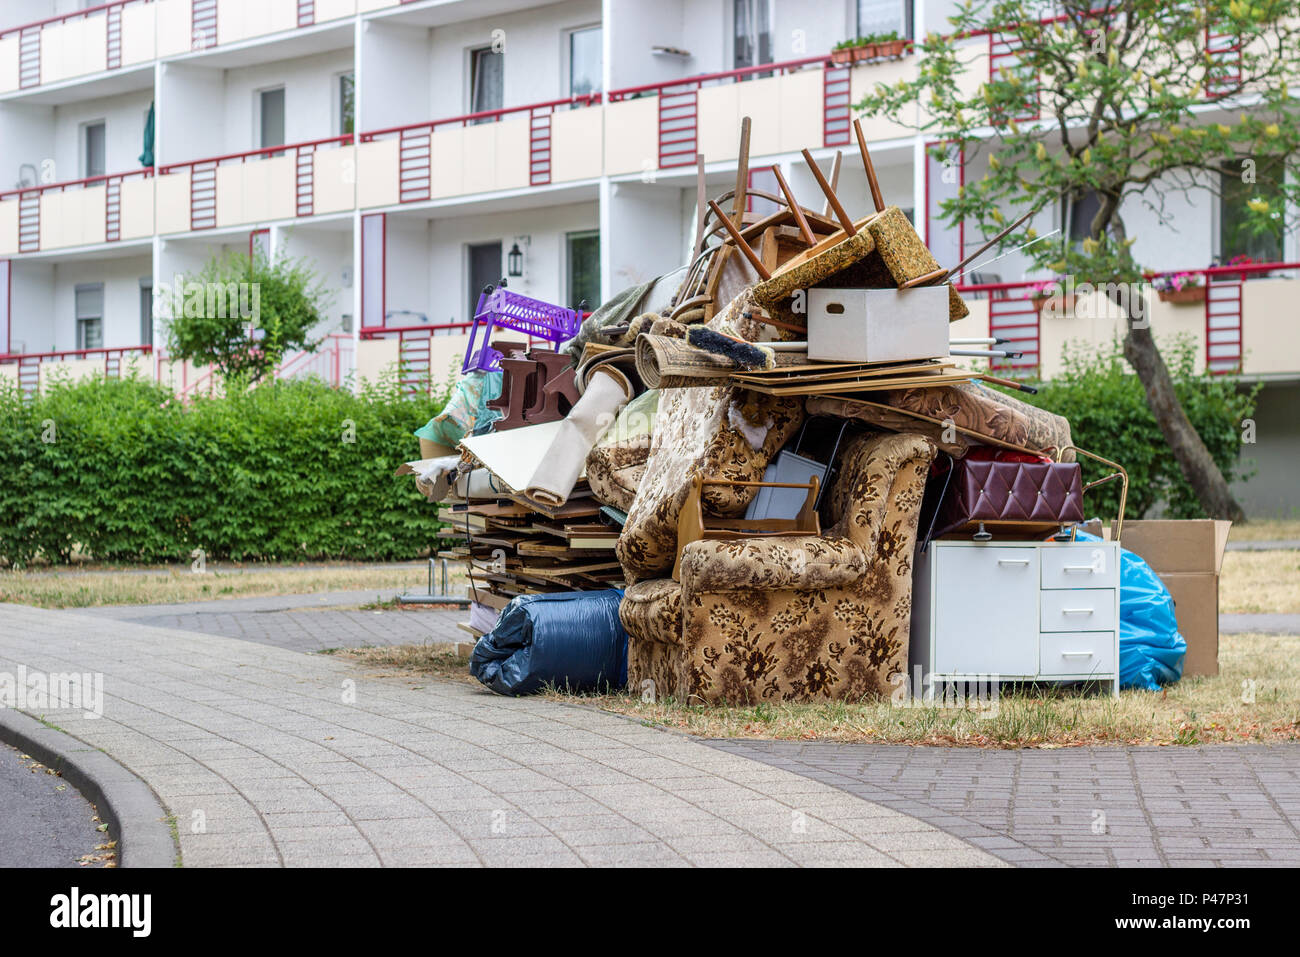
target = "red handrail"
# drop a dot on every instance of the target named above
(785, 66)
(144, 171)
(344, 140)
(380, 332)
(62, 354)
(65, 17)
(590, 99)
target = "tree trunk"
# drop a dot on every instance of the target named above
(1194, 459)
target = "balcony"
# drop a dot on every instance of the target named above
(83, 212)
(1243, 326)
(31, 370)
(257, 186)
(131, 33)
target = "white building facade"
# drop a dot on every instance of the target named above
(415, 151)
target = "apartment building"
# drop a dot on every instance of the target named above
(415, 150)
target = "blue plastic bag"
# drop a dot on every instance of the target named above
(1151, 650)
(573, 640)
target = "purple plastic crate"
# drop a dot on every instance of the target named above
(503, 309)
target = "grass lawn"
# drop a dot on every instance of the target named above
(1260, 582)
(1193, 711)
(1266, 530)
(82, 587)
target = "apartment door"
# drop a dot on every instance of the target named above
(486, 81)
(146, 311)
(583, 253)
(93, 158)
(484, 270)
(271, 118)
(89, 304)
(752, 32)
(585, 61)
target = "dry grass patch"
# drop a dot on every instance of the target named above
(1266, 530)
(1223, 709)
(1260, 583)
(83, 588)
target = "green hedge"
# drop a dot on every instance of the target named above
(1108, 412)
(122, 472)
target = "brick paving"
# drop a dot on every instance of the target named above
(267, 756)
(1221, 806)
(308, 623)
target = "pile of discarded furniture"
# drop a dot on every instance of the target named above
(776, 458)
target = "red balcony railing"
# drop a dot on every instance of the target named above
(1015, 316)
(29, 205)
(29, 363)
(29, 38)
(203, 176)
(679, 104)
(414, 350)
(415, 153)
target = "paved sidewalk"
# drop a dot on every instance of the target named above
(1220, 806)
(267, 756)
(1243, 624)
(307, 623)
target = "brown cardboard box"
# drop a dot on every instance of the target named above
(1187, 555)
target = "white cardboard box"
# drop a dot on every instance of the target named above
(877, 325)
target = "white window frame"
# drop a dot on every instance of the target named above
(257, 112)
(83, 139)
(566, 55)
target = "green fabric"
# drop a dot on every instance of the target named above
(466, 409)
(146, 158)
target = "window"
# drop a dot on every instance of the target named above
(146, 311)
(1080, 211)
(752, 34)
(584, 268)
(90, 315)
(585, 61)
(347, 103)
(93, 139)
(486, 80)
(885, 16)
(484, 270)
(271, 117)
(1237, 235)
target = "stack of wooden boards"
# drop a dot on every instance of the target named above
(847, 378)
(511, 548)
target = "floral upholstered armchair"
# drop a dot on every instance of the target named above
(794, 618)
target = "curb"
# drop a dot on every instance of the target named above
(129, 807)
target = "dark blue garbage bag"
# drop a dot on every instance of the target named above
(1150, 648)
(572, 640)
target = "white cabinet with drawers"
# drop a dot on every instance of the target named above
(1016, 611)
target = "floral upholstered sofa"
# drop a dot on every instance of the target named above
(792, 617)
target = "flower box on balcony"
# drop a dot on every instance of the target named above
(1184, 296)
(893, 49)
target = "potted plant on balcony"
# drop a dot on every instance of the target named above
(853, 50)
(890, 45)
(1180, 287)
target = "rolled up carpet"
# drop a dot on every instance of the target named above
(557, 472)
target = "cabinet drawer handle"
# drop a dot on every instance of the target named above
(1076, 654)
(1080, 568)
(1077, 611)
(1013, 561)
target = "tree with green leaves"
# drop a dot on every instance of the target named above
(1120, 99)
(242, 312)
